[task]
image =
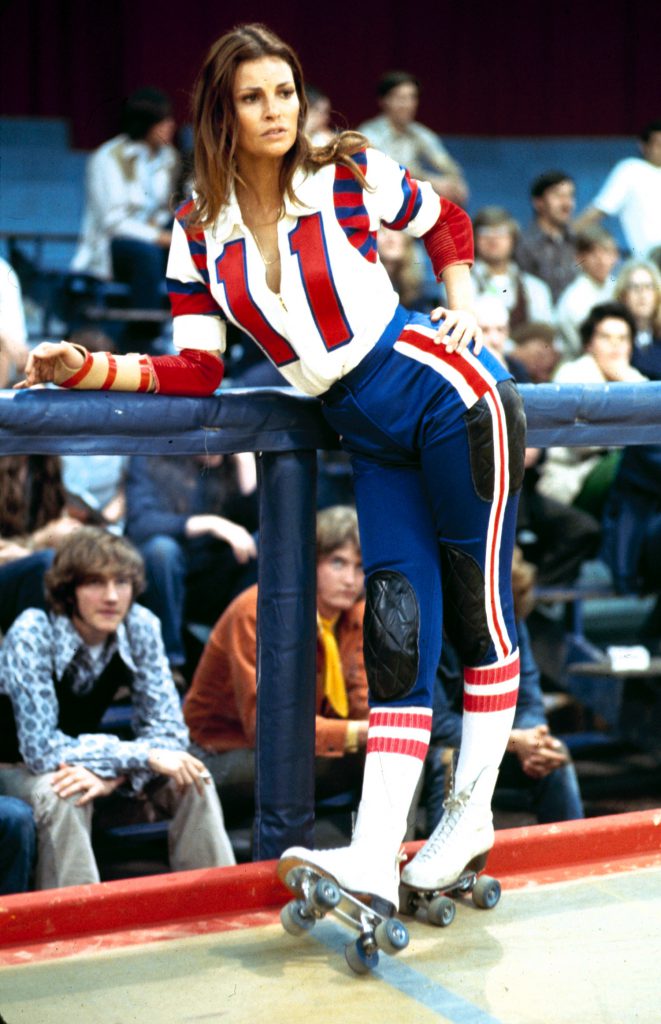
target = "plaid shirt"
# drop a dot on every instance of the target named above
(37, 651)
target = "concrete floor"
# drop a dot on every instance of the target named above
(578, 952)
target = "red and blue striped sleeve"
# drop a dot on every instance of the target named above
(199, 322)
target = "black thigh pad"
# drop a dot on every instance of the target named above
(479, 425)
(390, 633)
(464, 613)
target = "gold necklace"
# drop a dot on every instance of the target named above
(267, 263)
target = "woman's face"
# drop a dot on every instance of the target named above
(610, 345)
(640, 296)
(266, 106)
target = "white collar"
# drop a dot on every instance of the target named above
(303, 187)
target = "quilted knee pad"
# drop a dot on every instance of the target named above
(479, 425)
(464, 613)
(390, 629)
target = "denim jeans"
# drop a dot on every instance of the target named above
(18, 845)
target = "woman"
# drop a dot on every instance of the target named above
(33, 521)
(126, 233)
(582, 476)
(281, 239)
(638, 287)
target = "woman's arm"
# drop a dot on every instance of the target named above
(192, 372)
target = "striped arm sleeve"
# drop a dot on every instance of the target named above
(401, 202)
(198, 320)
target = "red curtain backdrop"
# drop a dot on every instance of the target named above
(515, 68)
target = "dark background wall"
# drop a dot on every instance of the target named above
(589, 67)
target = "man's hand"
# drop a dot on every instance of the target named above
(70, 779)
(180, 766)
(538, 752)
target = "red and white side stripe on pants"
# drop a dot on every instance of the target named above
(472, 381)
(400, 731)
(492, 687)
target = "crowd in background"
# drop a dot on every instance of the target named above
(556, 300)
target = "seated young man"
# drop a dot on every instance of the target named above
(220, 707)
(60, 671)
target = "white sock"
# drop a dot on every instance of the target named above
(490, 694)
(397, 742)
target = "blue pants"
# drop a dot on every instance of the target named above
(18, 844)
(193, 581)
(141, 265)
(436, 442)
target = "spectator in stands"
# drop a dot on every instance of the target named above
(494, 322)
(220, 707)
(33, 522)
(525, 296)
(638, 287)
(13, 332)
(557, 539)
(537, 349)
(18, 845)
(631, 192)
(632, 531)
(193, 519)
(596, 254)
(61, 671)
(582, 476)
(536, 763)
(318, 122)
(546, 247)
(396, 133)
(126, 230)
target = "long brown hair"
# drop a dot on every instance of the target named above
(31, 493)
(214, 122)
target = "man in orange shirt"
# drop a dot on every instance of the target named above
(220, 707)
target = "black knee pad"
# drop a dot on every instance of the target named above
(390, 631)
(464, 614)
(479, 425)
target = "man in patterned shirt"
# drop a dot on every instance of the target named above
(60, 671)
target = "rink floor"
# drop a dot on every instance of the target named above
(572, 940)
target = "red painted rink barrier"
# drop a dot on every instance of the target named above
(239, 896)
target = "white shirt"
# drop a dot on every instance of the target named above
(574, 305)
(537, 293)
(128, 194)
(565, 470)
(632, 192)
(12, 316)
(414, 146)
(335, 296)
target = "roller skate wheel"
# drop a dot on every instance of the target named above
(294, 920)
(358, 959)
(391, 936)
(441, 911)
(326, 894)
(486, 892)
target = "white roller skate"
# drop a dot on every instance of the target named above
(463, 836)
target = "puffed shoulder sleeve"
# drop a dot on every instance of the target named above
(198, 320)
(399, 201)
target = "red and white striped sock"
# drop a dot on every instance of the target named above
(490, 694)
(397, 742)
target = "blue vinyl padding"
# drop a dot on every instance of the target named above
(285, 429)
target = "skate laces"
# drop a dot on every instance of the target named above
(453, 808)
